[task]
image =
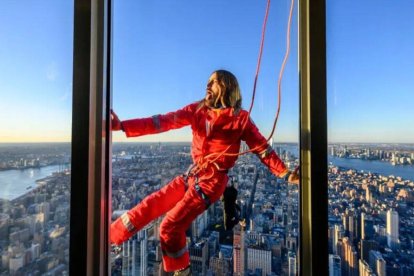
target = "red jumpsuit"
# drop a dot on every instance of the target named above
(182, 200)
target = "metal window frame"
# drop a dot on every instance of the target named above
(313, 256)
(91, 139)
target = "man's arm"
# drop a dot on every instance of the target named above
(255, 140)
(158, 123)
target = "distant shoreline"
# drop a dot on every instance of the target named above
(32, 167)
(189, 142)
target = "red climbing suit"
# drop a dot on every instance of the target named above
(183, 199)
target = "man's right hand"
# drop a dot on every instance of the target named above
(116, 123)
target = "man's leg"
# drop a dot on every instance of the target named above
(179, 219)
(150, 208)
(173, 227)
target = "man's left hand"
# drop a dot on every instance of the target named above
(294, 177)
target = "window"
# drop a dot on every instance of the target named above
(370, 137)
(35, 140)
(163, 54)
(90, 174)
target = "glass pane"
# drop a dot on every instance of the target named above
(371, 150)
(164, 54)
(35, 133)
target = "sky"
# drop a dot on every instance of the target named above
(164, 52)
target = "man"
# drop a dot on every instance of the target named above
(218, 125)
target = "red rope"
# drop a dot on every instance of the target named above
(206, 161)
(259, 58)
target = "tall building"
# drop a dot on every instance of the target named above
(199, 257)
(367, 227)
(157, 264)
(259, 259)
(392, 229)
(333, 151)
(366, 246)
(292, 264)
(331, 234)
(221, 265)
(377, 263)
(15, 263)
(338, 234)
(199, 225)
(371, 194)
(365, 269)
(135, 255)
(349, 257)
(214, 244)
(239, 251)
(351, 224)
(126, 265)
(143, 246)
(291, 242)
(334, 265)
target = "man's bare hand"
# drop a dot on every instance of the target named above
(294, 177)
(116, 123)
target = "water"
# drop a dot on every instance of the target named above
(14, 183)
(383, 168)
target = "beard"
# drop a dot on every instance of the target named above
(210, 99)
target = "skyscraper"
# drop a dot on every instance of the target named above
(239, 251)
(292, 264)
(350, 224)
(371, 194)
(333, 151)
(366, 247)
(221, 265)
(126, 258)
(338, 234)
(199, 257)
(135, 255)
(367, 227)
(392, 229)
(143, 244)
(261, 259)
(365, 269)
(349, 257)
(334, 265)
(377, 263)
(199, 225)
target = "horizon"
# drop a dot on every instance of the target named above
(189, 142)
(369, 90)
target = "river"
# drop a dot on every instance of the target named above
(15, 183)
(383, 168)
(374, 166)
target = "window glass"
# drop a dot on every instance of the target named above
(370, 134)
(36, 39)
(163, 56)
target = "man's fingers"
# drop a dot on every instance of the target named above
(113, 114)
(116, 123)
(296, 170)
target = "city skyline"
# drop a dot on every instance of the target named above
(369, 89)
(369, 212)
